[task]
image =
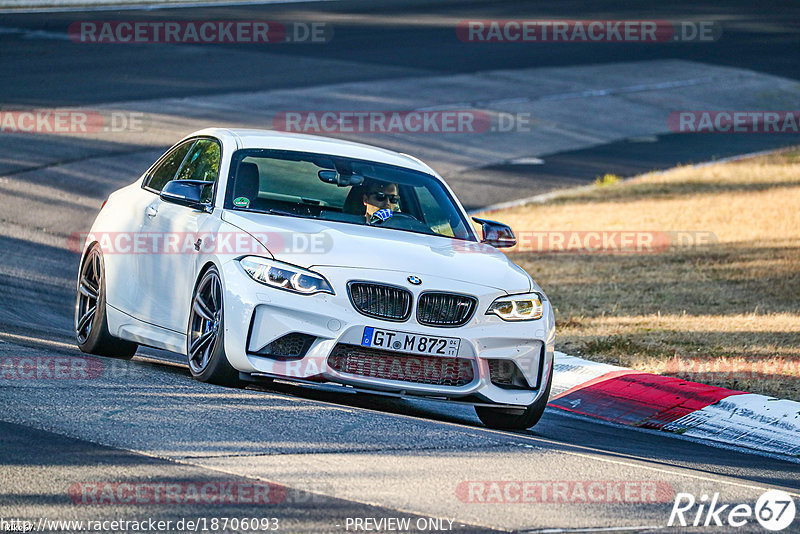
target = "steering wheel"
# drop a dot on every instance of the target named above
(376, 219)
(402, 221)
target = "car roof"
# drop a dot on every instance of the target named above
(254, 138)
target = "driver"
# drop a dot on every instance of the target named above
(379, 197)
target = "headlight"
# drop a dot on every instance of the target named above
(525, 307)
(285, 276)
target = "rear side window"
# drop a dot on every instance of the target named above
(165, 171)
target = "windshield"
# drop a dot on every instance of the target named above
(333, 188)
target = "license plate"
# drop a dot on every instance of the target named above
(408, 342)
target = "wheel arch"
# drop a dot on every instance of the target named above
(86, 250)
(203, 270)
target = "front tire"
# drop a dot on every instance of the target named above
(503, 419)
(91, 320)
(205, 339)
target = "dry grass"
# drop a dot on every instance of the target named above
(725, 313)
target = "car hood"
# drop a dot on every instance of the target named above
(309, 243)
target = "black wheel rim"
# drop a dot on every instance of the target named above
(88, 296)
(205, 322)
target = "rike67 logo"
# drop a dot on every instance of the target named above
(774, 510)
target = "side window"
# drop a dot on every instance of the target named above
(434, 215)
(168, 167)
(202, 163)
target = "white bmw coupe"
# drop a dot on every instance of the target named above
(263, 255)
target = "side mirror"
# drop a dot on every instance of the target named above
(496, 234)
(186, 193)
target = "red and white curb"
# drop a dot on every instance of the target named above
(629, 397)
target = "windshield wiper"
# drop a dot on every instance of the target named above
(272, 211)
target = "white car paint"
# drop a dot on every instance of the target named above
(149, 295)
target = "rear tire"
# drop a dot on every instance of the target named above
(503, 419)
(205, 337)
(91, 321)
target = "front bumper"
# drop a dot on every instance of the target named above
(256, 315)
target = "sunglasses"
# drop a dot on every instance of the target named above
(381, 197)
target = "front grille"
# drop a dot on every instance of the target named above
(294, 345)
(445, 309)
(380, 301)
(376, 363)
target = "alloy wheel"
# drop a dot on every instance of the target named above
(205, 322)
(88, 296)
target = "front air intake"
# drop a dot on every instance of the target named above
(388, 365)
(290, 346)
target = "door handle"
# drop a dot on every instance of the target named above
(151, 211)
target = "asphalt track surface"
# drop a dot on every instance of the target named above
(392, 38)
(399, 40)
(339, 455)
